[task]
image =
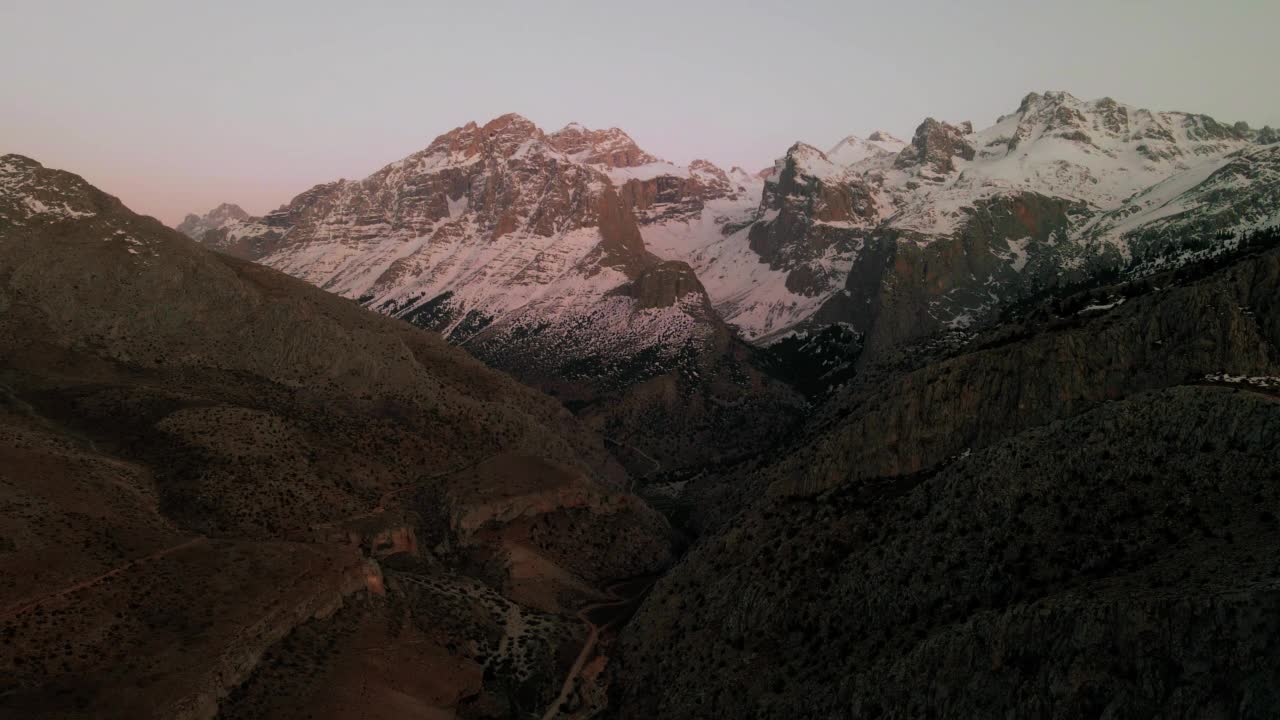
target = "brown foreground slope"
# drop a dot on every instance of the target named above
(202, 460)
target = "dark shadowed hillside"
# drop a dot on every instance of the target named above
(205, 462)
(1069, 516)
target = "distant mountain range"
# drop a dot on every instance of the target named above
(627, 285)
(504, 223)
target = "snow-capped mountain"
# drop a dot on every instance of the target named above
(898, 240)
(854, 149)
(195, 226)
(1098, 152)
(524, 246)
(484, 221)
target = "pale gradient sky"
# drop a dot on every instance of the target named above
(176, 106)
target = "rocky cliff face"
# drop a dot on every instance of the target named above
(935, 147)
(666, 284)
(809, 197)
(610, 148)
(206, 462)
(1071, 515)
(682, 194)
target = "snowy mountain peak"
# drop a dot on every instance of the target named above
(506, 134)
(854, 149)
(500, 138)
(1104, 122)
(228, 210)
(491, 227)
(611, 148)
(1048, 98)
(806, 160)
(706, 168)
(195, 226)
(511, 120)
(529, 249)
(880, 136)
(15, 172)
(1057, 187)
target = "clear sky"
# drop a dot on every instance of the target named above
(176, 106)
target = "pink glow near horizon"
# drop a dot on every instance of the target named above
(177, 109)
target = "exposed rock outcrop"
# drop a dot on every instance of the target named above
(610, 148)
(668, 198)
(935, 144)
(667, 284)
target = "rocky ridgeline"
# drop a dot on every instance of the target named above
(531, 247)
(960, 223)
(1056, 191)
(935, 147)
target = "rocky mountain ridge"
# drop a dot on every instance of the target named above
(195, 226)
(528, 247)
(959, 223)
(525, 247)
(1088, 184)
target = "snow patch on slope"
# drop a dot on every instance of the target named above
(1016, 256)
(31, 197)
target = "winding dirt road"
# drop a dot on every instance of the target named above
(593, 637)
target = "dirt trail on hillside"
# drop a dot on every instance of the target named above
(20, 608)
